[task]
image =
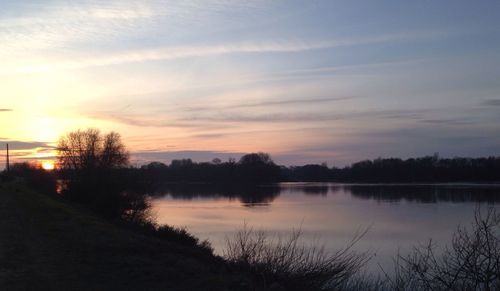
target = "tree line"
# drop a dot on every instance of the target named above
(429, 169)
(258, 168)
(251, 169)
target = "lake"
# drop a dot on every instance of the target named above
(398, 216)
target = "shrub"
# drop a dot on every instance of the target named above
(472, 262)
(285, 262)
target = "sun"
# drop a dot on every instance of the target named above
(48, 165)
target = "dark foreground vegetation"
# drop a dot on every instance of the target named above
(471, 262)
(50, 244)
(87, 226)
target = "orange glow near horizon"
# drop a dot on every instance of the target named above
(48, 165)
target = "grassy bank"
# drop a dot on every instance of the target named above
(48, 244)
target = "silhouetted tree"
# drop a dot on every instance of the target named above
(93, 166)
(181, 163)
(258, 168)
(90, 150)
(256, 159)
(155, 166)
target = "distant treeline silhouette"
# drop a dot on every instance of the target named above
(258, 168)
(430, 169)
(251, 169)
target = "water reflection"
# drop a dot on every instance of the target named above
(249, 196)
(400, 216)
(315, 190)
(426, 193)
(263, 196)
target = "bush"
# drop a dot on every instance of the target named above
(177, 235)
(472, 262)
(181, 236)
(285, 262)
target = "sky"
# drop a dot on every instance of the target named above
(306, 81)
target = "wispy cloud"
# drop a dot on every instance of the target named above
(237, 76)
(222, 120)
(174, 115)
(209, 135)
(146, 120)
(299, 74)
(57, 25)
(271, 103)
(307, 116)
(44, 26)
(26, 145)
(19, 154)
(203, 50)
(491, 102)
(452, 121)
(292, 102)
(31, 158)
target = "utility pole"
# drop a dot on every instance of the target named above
(8, 165)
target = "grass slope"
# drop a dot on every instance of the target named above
(47, 244)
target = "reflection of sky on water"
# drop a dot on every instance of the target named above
(398, 216)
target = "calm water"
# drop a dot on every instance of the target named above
(399, 216)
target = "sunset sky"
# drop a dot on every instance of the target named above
(306, 81)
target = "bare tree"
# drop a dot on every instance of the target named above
(93, 173)
(113, 153)
(90, 149)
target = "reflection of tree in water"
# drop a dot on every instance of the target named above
(315, 190)
(306, 188)
(426, 193)
(336, 188)
(250, 196)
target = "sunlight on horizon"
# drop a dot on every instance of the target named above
(48, 165)
(218, 79)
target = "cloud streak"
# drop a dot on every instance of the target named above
(307, 116)
(268, 103)
(171, 53)
(26, 145)
(144, 120)
(220, 120)
(450, 122)
(491, 102)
